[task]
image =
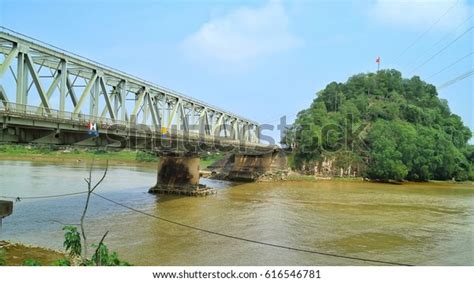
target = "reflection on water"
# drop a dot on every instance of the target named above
(423, 224)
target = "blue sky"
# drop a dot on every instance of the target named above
(260, 59)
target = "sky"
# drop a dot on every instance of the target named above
(262, 59)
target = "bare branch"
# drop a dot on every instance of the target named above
(86, 206)
(90, 174)
(90, 190)
(83, 231)
(103, 176)
(97, 262)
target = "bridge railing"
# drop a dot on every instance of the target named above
(51, 115)
(41, 112)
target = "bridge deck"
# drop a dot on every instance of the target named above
(28, 124)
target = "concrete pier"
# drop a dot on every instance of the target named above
(251, 167)
(6, 209)
(179, 174)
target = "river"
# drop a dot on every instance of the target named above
(416, 223)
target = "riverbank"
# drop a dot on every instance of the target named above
(122, 157)
(294, 176)
(15, 254)
(147, 159)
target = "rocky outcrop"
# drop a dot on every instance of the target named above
(332, 167)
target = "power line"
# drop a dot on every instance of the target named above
(455, 29)
(249, 240)
(439, 41)
(428, 30)
(42, 197)
(456, 79)
(209, 231)
(452, 64)
(444, 48)
(279, 119)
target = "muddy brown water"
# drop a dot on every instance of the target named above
(417, 223)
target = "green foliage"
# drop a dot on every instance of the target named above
(100, 152)
(44, 149)
(395, 128)
(102, 257)
(31, 262)
(72, 241)
(146, 156)
(22, 149)
(2, 257)
(61, 262)
(210, 158)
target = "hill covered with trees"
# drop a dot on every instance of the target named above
(382, 126)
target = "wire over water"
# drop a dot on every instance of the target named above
(214, 232)
(250, 240)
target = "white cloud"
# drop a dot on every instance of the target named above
(420, 14)
(243, 35)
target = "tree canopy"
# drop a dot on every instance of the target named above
(394, 128)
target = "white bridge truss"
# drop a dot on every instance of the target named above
(69, 86)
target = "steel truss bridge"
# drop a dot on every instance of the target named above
(49, 95)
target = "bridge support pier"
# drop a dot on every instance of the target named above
(179, 174)
(251, 167)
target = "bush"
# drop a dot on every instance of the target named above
(72, 241)
(102, 257)
(145, 156)
(31, 262)
(100, 152)
(62, 262)
(43, 149)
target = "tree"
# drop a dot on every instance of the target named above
(90, 190)
(72, 237)
(72, 241)
(407, 132)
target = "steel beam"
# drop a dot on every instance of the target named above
(3, 96)
(108, 104)
(85, 93)
(138, 105)
(37, 82)
(62, 86)
(21, 74)
(154, 113)
(8, 60)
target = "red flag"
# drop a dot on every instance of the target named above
(378, 60)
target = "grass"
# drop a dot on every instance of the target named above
(300, 177)
(17, 254)
(210, 159)
(46, 152)
(49, 153)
